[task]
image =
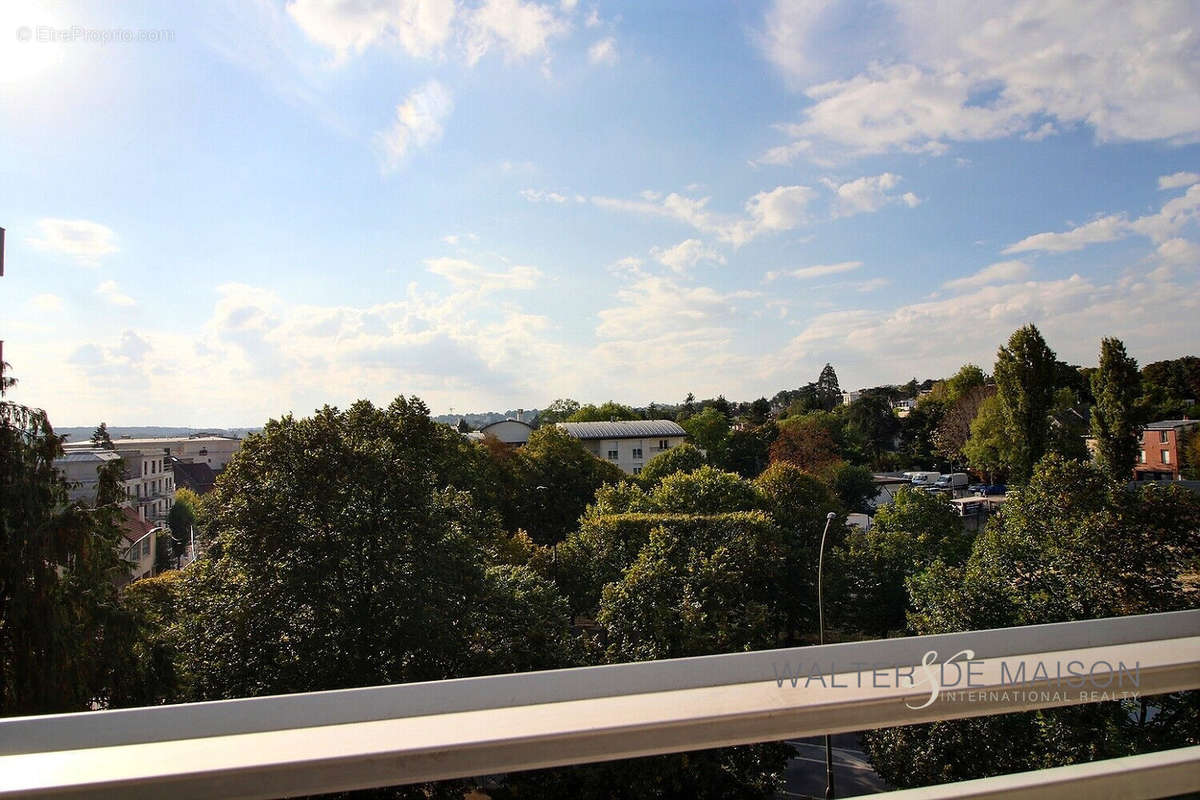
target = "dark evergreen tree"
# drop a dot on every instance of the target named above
(1025, 379)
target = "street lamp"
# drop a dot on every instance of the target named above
(821, 634)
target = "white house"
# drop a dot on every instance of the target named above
(628, 443)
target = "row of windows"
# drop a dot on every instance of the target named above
(613, 455)
(1165, 456)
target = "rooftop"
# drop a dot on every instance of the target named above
(1170, 424)
(80, 455)
(623, 429)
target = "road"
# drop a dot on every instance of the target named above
(852, 772)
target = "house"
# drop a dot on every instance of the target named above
(627, 443)
(82, 469)
(849, 397)
(1161, 448)
(149, 480)
(510, 431)
(199, 478)
(216, 451)
(140, 546)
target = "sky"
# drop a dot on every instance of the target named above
(223, 213)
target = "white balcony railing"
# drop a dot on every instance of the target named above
(358, 738)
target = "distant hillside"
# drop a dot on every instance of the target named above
(149, 431)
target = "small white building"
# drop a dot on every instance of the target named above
(627, 443)
(510, 431)
(82, 469)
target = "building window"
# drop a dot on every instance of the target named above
(1163, 438)
(145, 547)
(1142, 456)
(637, 470)
(662, 444)
(637, 452)
(203, 451)
(1166, 456)
(612, 455)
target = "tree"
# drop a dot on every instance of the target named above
(708, 430)
(871, 420)
(808, 445)
(952, 433)
(1169, 389)
(1116, 386)
(1025, 380)
(603, 413)
(855, 488)
(760, 409)
(684, 458)
(829, 393)
(345, 555)
(558, 411)
(554, 479)
(1072, 544)
(748, 450)
(63, 633)
(101, 439)
(989, 448)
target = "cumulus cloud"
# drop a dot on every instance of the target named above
(84, 241)
(780, 209)
(517, 29)
(541, 196)
(420, 27)
(867, 194)
(465, 275)
(815, 271)
(603, 51)
(687, 254)
(1178, 180)
(113, 295)
(1000, 272)
(978, 70)
(419, 122)
(1160, 226)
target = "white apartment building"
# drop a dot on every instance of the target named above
(82, 469)
(216, 451)
(628, 443)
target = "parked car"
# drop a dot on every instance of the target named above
(987, 490)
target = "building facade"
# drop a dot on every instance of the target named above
(1161, 449)
(628, 444)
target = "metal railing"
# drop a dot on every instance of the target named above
(358, 738)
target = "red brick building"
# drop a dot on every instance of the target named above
(1161, 449)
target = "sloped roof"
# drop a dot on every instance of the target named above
(132, 526)
(623, 429)
(197, 477)
(91, 454)
(1169, 424)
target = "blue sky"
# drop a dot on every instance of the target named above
(220, 214)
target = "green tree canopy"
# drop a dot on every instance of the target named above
(708, 430)
(1026, 370)
(683, 458)
(344, 555)
(101, 439)
(1116, 385)
(603, 413)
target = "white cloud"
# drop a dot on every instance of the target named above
(780, 209)
(113, 295)
(541, 196)
(465, 275)
(603, 51)
(1104, 229)
(687, 254)
(816, 271)
(83, 240)
(981, 69)
(1165, 224)
(1000, 272)
(421, 27)
(46, 303)
(1178, 180)
(518, 29)
(867, 194)
(419, 122)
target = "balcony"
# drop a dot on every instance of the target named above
(409, 733)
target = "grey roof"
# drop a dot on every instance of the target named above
(91, 454)
(502, 421)
(624, 429)
(1169, 424)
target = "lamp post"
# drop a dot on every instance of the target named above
(821, 634)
